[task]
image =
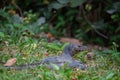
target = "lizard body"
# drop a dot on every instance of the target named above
(68, 52)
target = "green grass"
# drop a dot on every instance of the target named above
(102, 67)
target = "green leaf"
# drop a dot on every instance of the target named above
(115, 8)
(99, 25)
(54, 66)
(75, 3)
(40, 21)
(56, 5)
(2, 34)
(109, 76)
(88, 7)
(63, 1)
(53, 46)
(111, 11)
(65, 45)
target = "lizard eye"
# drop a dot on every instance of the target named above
(79, 45)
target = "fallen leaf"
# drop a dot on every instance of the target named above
(10, 62)
(6, 43)
(74, 79)
(89, 56)
(49, 35)
(46, 54)
(13, 12)
(71, 40)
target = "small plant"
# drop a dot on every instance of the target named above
(114, 55)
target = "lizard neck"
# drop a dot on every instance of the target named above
(67, 51)
(66, 55)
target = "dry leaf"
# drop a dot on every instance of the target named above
(10, 62)
(6, 43)
(89, 56)
(49, 35)
(12, 12)
(46, 54)
(71, 40)
(74, 79)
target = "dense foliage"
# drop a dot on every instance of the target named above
(93, 21)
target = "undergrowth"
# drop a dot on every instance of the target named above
(102, 67)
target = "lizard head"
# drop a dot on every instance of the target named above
(75, 48)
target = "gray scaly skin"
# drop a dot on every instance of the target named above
(68, 52)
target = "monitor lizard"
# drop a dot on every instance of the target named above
(66, 57)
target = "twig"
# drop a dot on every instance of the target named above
(17, 7)
(86, 19)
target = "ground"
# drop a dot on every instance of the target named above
(101, 67)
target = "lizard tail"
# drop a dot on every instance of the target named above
(20, 67)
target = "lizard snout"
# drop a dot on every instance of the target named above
(82, 48)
